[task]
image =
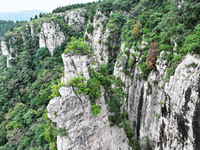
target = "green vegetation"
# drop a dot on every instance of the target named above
(78, 82)
(114, 97)
(113, 42)
(90, 29)
(28, 85)
(149, 88)
(92, 88)
(55, 89)
(70, 7)
(194, 65)
(95, 89)
(77, 46)
(32, 80)
(191, 43)
(5, 26)
(96, 110)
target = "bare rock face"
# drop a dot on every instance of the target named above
(10, 44)
(73, 113)
(50, 36)
(98, 38)
(5, 52)
(120, 64)
(167, 113)
(76, 19)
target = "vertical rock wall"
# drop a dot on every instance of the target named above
(98, 37)
(167, 113)
(73, 113)
(5, 52)
(50, 36)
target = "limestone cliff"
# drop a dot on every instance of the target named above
(167, 113)
(73, 113)
(98, 37)
(164, 114)
(6, 52)
(76, 19)
(44, 32)
(160, 104)
(50, 36)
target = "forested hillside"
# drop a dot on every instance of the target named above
(137, 46)
(5, 26)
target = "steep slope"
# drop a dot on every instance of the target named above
(27, 77)
(128, 78)
(73, 113)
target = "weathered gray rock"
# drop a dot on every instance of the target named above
(98, 38)
(73, 113)
(50, 36)
(5, 52)
(75, 18)
(167, 113)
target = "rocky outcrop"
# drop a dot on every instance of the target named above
(73, 113)
(5, 52)
(98, 38)
(167, 113)
(12, 43)
(50, 36)
(76, 19)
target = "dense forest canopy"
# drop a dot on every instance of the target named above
(5, 26)
(26, 86)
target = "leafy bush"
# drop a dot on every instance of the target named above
(91, 88)
(136, 30)
(96, 110)
(170, 72)
(73, 6)
(77, 46)
(78, 82)
(145, 70)
(95, 89)
(55, 89)
(165, 47)
(192, 42)
(50, 133)
(41, 54)
(176, 59)
(3, 132)
(62, 132)
(28, 117)
(115, 104)
(90, 29)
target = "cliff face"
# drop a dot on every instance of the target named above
(50, 36)
(98, 37)
(44, 32)
(162, 108)
(73, 113)
(5, 52)
(164, 114)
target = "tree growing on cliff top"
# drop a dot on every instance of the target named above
(77, 46)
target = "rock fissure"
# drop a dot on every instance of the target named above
(77, 95)
(139, 113)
